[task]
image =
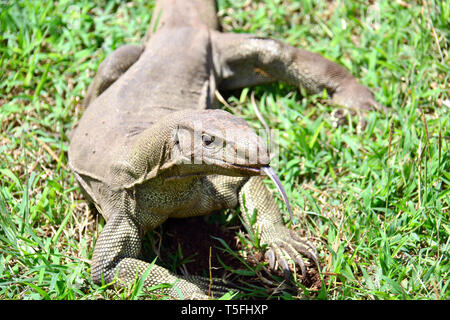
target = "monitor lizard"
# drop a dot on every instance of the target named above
(151, 144)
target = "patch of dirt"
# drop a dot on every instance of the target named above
(194, 237)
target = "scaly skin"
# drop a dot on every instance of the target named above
(138, 153)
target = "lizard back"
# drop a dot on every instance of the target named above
(175, 72)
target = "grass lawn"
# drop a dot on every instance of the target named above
(375, 201)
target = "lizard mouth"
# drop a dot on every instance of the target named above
(247, 168)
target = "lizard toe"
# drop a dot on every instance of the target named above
(270, 255)
(304, 247)
(294, 254)
(280, 255)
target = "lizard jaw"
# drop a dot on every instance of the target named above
(248, 169)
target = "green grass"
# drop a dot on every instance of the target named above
(376, 202)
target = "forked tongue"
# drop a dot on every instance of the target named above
(273, 176)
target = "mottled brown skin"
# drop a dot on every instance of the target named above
(127, 151)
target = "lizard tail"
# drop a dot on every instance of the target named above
(178, 13)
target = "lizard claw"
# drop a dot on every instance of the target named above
(278, 253)
(290, 245)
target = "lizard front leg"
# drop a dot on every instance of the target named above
(245, 60)
(281, 241)
(118, 251)
(250, 194)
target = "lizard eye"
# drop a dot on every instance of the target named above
(207, 139)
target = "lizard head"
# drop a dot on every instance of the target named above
(216, 142)
(197, 143)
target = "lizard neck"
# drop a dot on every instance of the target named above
(155, 144)
(165, 198)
